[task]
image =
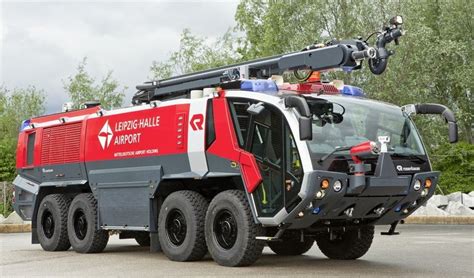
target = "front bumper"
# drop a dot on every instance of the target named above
(381, 202)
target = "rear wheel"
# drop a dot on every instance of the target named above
(52, 223)
(82, 225)
(349, 245)
(181, 226)
(230, 230)
(291, 244)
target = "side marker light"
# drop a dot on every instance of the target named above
(428, 183)
(324, 184)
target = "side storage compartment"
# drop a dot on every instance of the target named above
(123, 195)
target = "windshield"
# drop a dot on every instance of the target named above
(348, 121)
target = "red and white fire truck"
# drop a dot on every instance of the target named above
(231, 159)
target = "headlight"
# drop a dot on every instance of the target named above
(320, 194)
(337, 186)
(417, 185)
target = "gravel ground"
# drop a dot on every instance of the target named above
(420, 250)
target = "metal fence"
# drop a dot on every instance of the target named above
(6, 194)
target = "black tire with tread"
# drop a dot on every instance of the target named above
(290, 244)
(95, 240)
(247, 249)
(58, 206)
(194, 206)
(349, 246)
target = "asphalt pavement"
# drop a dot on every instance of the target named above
(420, 250)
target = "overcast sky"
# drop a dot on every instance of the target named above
(42, 42)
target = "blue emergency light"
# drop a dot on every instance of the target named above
(352, 91)
(259, 85)
(24, 124)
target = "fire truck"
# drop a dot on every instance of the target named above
(232, 159)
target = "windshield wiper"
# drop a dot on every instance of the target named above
(336, 149)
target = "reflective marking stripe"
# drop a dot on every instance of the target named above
(196, 136)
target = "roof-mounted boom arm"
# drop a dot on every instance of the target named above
(334, 55)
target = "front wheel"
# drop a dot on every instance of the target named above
(231, 231)
(348, 245)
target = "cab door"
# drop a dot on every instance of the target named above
(266, 144)
(268, 137)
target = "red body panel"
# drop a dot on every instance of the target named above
(132, 134)
(226, 145)
(61, 144)
(57, 116)
(157, 131)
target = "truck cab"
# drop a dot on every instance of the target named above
(306, 183)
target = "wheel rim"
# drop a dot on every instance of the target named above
(47, 222)
(225, 229)
(80, 224)
(176, 227)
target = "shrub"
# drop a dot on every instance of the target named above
(456, 163)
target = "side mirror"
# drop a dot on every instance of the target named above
(433, 108)
(304, 117)
(256, 108)
(306, 128)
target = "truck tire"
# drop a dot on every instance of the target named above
(231, 231)
(348, 245)
(143, 239)
(52, 223)
(181, 226)
(82, 225)
(291, 244)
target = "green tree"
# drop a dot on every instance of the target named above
(196, 54)
(433, 63)
(456, 163)
(15, 106)
(81, 88)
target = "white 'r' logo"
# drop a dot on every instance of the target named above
(105, 135)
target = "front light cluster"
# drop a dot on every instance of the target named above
(426, 184)
(336, 186)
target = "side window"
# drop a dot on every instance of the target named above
(30, 148)
(241, 119)
(294, 171)
(293, 161)
(210, 128)
(267, 143)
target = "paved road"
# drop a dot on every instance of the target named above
(421, 250)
